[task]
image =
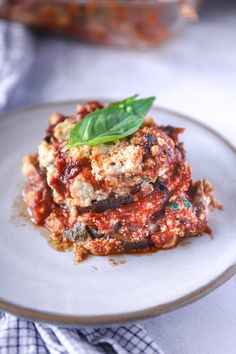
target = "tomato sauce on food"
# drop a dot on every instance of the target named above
(132, 195)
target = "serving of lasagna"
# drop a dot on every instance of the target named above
(128, 194)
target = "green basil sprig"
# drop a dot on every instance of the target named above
(111, 123)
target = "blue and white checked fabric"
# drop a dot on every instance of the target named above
(19, 336)
(17, 53)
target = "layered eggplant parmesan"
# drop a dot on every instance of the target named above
(133, 194)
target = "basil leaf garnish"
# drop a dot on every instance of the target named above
(111, 123)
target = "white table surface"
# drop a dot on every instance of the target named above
(194, 73)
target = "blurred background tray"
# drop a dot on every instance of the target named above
(132, 23)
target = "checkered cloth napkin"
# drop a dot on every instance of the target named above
(24, 337)
(17, 52)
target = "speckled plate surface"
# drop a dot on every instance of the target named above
(39, 283)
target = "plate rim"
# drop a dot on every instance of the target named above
(112, 319)
(55, 318)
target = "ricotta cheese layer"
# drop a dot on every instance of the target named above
(132, 195)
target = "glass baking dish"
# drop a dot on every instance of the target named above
(130, 23)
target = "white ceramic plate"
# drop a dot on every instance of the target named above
(39, 283)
